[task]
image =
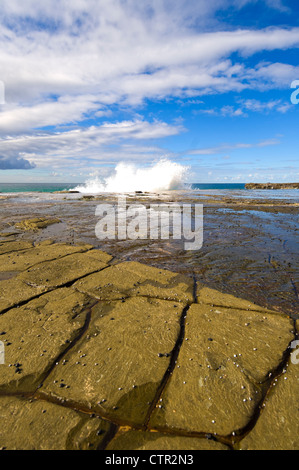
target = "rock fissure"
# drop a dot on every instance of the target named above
(37, 296)
(72, 344)
(169, 371)
(268, 387)
(153, 357)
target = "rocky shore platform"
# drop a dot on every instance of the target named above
(106, 354)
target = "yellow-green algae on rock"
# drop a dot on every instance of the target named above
(225, 357)
(136, 279)
(278, 425)
(39, 254)
(36, 334)
(100, 346)
(136, 440)
(121, 360)
(46, 275)
(38, 425)
(13, 247)
(36, 224)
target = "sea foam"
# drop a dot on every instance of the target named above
(162, 176)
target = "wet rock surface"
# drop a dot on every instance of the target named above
(31, 424)
(226, 357)
(250, 245)
(280, 414)
(36, 334)
(106, 354)
(121, 361)
(36, 223)
(136, 440)
(136, 279)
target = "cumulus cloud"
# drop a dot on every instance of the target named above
(110, 142)
(15, 163)
(87, 48)
(64, 63)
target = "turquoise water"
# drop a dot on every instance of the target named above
(207, 186)
(51, 187)
(235, 190)
(34, 187)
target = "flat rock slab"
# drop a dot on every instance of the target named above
(13, 246)
(278, 426)
(47, 275)
(60, 272)
(36, 334)
(36, 224)
(132, 278)
(94, 344)
(37, 425)
(29, 258)
(117, 367)
(138, 440)
(226, 356)
(8, 234)
(218, 299)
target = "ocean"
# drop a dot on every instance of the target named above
(162, 176)
(34, 187)
(52, 187)
(198, 190)
(250, 237)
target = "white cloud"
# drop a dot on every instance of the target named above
(276, 75)
(251, 105)
(121, 53)
(66, 109)
(238, 146)
(266, 106)
(110, 142)
(63, 62)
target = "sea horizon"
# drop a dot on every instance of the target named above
(6, 188)
(52, 187)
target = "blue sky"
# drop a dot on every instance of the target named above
(92, 83)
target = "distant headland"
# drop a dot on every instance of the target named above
(272, 186)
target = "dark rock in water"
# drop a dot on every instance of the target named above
(272, 186)
(66, 192)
